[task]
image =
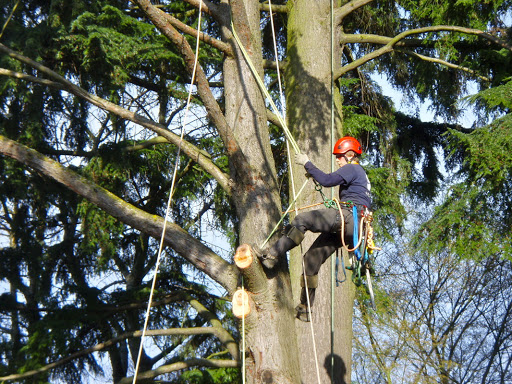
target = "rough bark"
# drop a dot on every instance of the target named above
(308, 87)
(271, 341)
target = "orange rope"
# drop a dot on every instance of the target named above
(343, 229)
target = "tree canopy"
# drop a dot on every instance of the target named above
(104, 114)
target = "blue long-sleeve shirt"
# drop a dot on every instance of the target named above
(352, 179)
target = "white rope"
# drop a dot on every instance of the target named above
(175, 172)
(264, 89)
(333, 268)
(294, 195)
(243, 332)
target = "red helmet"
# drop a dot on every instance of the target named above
(346, 144)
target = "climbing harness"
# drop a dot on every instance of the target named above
(361, 260)
(363, 247)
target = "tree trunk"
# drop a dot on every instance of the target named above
(308, 87)
(271, 342)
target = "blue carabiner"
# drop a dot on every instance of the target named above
(355, 236)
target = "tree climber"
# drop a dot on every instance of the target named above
(354, 190)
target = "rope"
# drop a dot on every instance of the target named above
(338, 282)
(294, 196)
(176, 164)
(243, 334)
(284, 215)
(264, 90)
(332, 189)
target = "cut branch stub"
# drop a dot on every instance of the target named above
(243, 256)
(241, 306)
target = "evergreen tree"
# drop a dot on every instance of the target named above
(94, 96)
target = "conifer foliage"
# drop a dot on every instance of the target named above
(93, 100)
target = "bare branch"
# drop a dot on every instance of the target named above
(378, 39)
(390, 42)
(272, 117)
(183, 243)
(22, 76)
(445, 63)
(275, 8)
(220, 45)
(223, 335)
(362, 60)
(270, 64)
(342, 12)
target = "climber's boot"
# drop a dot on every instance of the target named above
(303, 312)
(292, 236)
(266, 256)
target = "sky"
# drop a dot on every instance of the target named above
(466, 119)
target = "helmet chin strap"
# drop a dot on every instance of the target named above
(347, 159)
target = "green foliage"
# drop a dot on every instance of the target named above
(474, 221)
(487, 151)
(88, 273)
(497, 99)
(423, 80)
(356, 124)
(387, 188)
(210, 376)
(469, 13)
(112, 46)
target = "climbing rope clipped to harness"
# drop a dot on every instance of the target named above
(329, 203)
(363, 247)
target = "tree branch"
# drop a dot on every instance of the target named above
(177, 94)
(63, 84)
(390, 42)
(144, 377)
(111, 342)
(342, 12)
(272, 117)
(127, 148)
(183, 243)
(218, 11)
(223, 335)
(271, 64)
(445, 63)
(362, 60)
(220, 45)
(378, 39)
(275, 8)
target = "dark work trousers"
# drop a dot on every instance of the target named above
(327, 222)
